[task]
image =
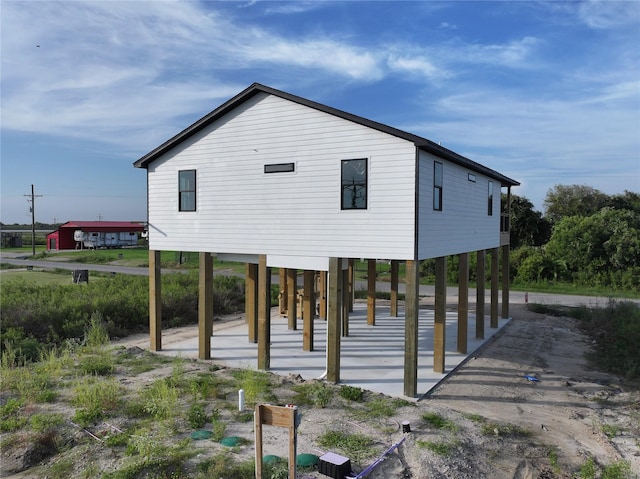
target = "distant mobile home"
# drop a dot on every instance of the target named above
(276, 180)
(95, 234)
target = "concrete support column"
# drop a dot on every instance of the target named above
(264, 313)
(251, 301)
(333, 319)
(292, 299)
(309, 309)
(205, 305)
(371, 292)
(440, 323)
(155, 301)
(394, 289)
(495, 275)
(480, 277)
(412, 282)
(506, 270)
(463, 302)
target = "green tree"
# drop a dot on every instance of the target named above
(528, 227)
(626, 201)
(573, 200)
(600, 248)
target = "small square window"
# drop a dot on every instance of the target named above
(354, 184)
(187, 190)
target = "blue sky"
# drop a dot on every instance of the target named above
(544, 92)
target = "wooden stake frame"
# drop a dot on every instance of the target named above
(279, 416)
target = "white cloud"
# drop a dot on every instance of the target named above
(600, 14)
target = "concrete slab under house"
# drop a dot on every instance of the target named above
(279, 181)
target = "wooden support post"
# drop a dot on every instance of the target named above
(292, 303)
(352, 282)
(205, 305)
(251, 301)
(322, 313)
(394, 289)
(506, 278)
(371, 292)
(345, 302)
(411, 312)
(333, 320)
(480, 278)
(440, 324)
(155, 301)
(463, 302)
(495, 275)
(283, 296)
(279, 416)
(309, 309)
(264, 313)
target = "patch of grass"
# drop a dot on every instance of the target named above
(256, 385)
(351, 393)
(503, 430)
(98, 364)
(617, 470)
(355, 446)
(440, 448)
(61, 469)
(588, 469)
(94, 398)
(610, 430)
(196, 416)
(477, 418)
(439, 422)
(161, 399)
(312, 393)
(42, 422)
(224, 465)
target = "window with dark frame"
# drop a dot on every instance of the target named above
(187, 190)
(280, 168)
(354, 184)
(437, 186)
(490, 199)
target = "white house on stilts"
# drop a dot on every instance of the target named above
(275, 180)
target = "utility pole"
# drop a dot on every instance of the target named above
(33, 219)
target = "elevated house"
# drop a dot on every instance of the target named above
(95, 234)
(275, 180)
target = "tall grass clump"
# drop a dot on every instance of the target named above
(95, 398)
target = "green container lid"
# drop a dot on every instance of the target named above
(271, 459)
(230, 441)
(201, 434)
(307, 460)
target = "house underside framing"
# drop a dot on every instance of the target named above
(334, 288)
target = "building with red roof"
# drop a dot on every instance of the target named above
(95, 234)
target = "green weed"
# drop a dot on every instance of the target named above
(439, 422)
(94, 398)
(356, 446)
(438, 447)
(43, 422)
(161, 399)
(351, 393)
(256, 385)
(503, 430)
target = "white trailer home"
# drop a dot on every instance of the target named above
(276, 180)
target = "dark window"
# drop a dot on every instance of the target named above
(354, 184)
(279, 168)
(490, 199)
(437, 186)
(187, 190)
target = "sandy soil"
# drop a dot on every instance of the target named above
(506, 426)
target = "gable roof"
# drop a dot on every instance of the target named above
(103, 224)
(420, 142)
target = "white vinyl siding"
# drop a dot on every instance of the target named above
(463, 224)
(242, 210)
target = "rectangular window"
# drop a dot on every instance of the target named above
(490, 199)
(187, 190)
(354, 184)
(437, 186)
(279, 168)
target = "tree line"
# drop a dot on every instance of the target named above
(585, 237)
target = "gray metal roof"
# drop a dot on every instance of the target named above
(420, 142)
